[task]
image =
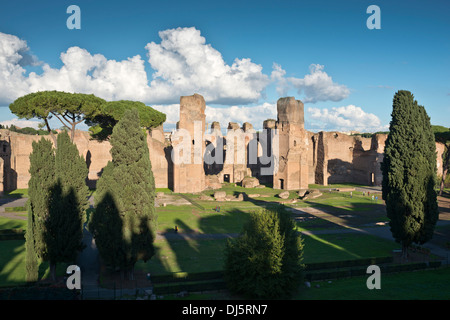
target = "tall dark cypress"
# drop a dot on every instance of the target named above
(409, 173)
(42, 172)
(126, 189)
(67, 204)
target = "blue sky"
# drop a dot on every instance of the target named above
(321, 52)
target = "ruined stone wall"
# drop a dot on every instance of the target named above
(303, 157)
(18, 147)
(293, 146)
(189, 174)
(336, 157)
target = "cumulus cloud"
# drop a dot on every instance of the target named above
(239, 114)
(315, 86)
(319, 86)
(344, 118)
(12, 79)
(254, 115)
(21, 123)
(277, 75)
(87, 73)
(172, 112)
(184, 64)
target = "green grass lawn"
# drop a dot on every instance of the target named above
(194, 256)
(7, 223)
(418, 285)
(189, 219)
(12, 264)
(18, 193)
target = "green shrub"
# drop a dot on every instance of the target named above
(265, 261)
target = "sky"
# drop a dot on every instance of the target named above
(242, 56)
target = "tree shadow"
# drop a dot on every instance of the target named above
(118, 252)
(63, 228)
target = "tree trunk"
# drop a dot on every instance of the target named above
(50, 131)
(444, 174)
(131, 273)
(405, 251)
(53, 271)
(72, 132)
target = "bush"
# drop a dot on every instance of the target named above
(265, 261)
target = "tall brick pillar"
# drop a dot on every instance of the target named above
(293, 140)
(189, 176)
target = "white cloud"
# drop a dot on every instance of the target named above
(172, 112)
(87, 73)
(239, 114)
(185, 64)
(21, 123)
(12, 79)
(315, 86)
(254, 115)
(343, 118)
(277, 75)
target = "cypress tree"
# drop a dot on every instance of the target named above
(409, 173)
(127, 184)
(42, 171)
(67, 205)
(265, 261)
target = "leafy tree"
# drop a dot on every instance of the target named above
(126, 190)
(69, 108)
(409, 173)
(67, 204)
(42, 171)
(265, 260)
(111, 112)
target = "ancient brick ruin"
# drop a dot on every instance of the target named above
(189, 160)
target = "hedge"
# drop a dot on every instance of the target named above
(348, 263)
(12, 234)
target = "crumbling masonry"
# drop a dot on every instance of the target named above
(193, 159)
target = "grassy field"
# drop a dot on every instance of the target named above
(201, 255)
(193, 256)
(418, 285)
(12, 264)
(397, 286)
(18, 193)
(8, 223)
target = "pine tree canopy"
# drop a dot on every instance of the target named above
(112, 111)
